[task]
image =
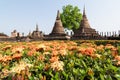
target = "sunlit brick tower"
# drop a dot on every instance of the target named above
(58, 32)
(85, 31)
(36, 34)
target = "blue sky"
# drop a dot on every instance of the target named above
(22, 15)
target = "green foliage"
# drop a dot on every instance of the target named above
(77, 66)
(71, 17)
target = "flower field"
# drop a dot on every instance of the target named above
(60, 60)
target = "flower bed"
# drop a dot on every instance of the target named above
(60, 60)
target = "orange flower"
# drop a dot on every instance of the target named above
(89, 51)
(41, 57)
(117, 58)
(31, 47)
(72, 43)
(53, 59)
(5, 72)
(48, 48)
(47, 66)
(30, 53)
(7, 47)
(118, 63)
(81, 50)
(100, 48)
(43, 78)
(114, 52)
(17, 56)
(40, 47)
(1, 57)
(54, 53)
(17, 49)
(71, 48)
(109, 46)
(5, 58)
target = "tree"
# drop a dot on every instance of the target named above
(71, 17)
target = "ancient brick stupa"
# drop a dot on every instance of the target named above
(85, 31)
(36, 34)
(58, 32)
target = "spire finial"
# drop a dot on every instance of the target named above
(29, 33)
(84, 10)
(37, 27)
(58, 15)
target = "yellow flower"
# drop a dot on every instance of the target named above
(5, 72)
(21, 66)
(98, 55)
(63, 52)
(40, 47)
(109, 46)
(57, 65)
(46, 53)
(90, 72)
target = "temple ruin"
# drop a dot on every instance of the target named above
(36, 34)
(85, 31)
(58, 32)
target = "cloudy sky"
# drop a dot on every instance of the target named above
(23, 15)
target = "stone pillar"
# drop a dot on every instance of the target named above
(119, 32)
(22, 34)
(107, 34)
(18, 34)
(113, 34)
(102, 33)
(110, 34)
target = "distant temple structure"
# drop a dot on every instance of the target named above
(2, 35)
(36, 34)
(14, 33)
(85, 31)
(58, 32)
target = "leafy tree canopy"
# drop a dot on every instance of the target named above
(71, 17)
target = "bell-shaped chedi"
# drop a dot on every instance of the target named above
(84, 21)
(58, 28)
(58, 32)
(85, 31)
